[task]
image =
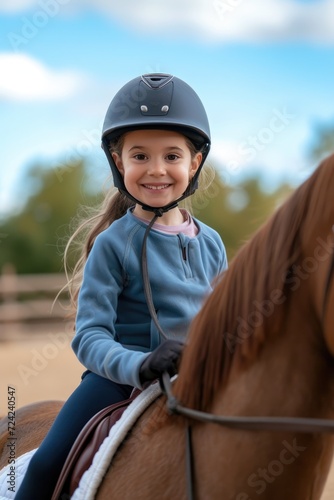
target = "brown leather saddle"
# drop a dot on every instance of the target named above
(87, 444)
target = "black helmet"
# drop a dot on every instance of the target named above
(156, 101)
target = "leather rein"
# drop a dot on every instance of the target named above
(287, 424)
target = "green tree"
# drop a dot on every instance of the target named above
(236, 212)
(35, 237)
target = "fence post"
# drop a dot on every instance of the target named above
(9, 294)
(9, 283)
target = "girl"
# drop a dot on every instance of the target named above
(143, 281)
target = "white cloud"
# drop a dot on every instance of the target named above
(24, 78)
(228, 20)
(274, 165)
(213, 20)
(16, 5)
(226, 156)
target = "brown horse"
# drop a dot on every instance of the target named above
(262, 345)
(32, 423)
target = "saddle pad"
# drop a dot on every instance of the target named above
(92, 478)
(21, 465)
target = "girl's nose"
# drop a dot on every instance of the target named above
(156, 168)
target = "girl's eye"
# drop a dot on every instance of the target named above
(172, 157)
(140, 156)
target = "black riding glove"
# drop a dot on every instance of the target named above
(164, 358)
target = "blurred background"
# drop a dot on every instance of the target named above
(263, 69)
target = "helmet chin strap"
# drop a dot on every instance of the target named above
(158, 211)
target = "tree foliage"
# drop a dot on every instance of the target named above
(35, 237)
(236, 212)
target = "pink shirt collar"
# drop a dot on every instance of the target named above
(188, 227)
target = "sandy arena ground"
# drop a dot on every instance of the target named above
(42, 367)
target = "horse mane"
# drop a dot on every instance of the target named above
(249, 300)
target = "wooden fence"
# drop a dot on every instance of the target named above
(30, 298)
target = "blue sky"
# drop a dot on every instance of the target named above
(264, 70)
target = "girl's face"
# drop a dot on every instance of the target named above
(157, 165)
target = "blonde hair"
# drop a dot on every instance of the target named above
(93, 220)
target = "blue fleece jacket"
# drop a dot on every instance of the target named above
(114, 330)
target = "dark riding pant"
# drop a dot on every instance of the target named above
(92, 395)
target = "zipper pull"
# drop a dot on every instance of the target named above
(184, 253)
(183, 247)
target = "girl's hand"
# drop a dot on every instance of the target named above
(164, 358)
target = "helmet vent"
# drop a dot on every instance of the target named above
(156, 80)
(144, 108)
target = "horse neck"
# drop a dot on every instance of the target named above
(292, 376)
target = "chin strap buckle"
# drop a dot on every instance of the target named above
(159, 211)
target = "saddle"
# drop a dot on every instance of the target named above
(87, 444)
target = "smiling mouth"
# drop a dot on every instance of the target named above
(155, 187)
